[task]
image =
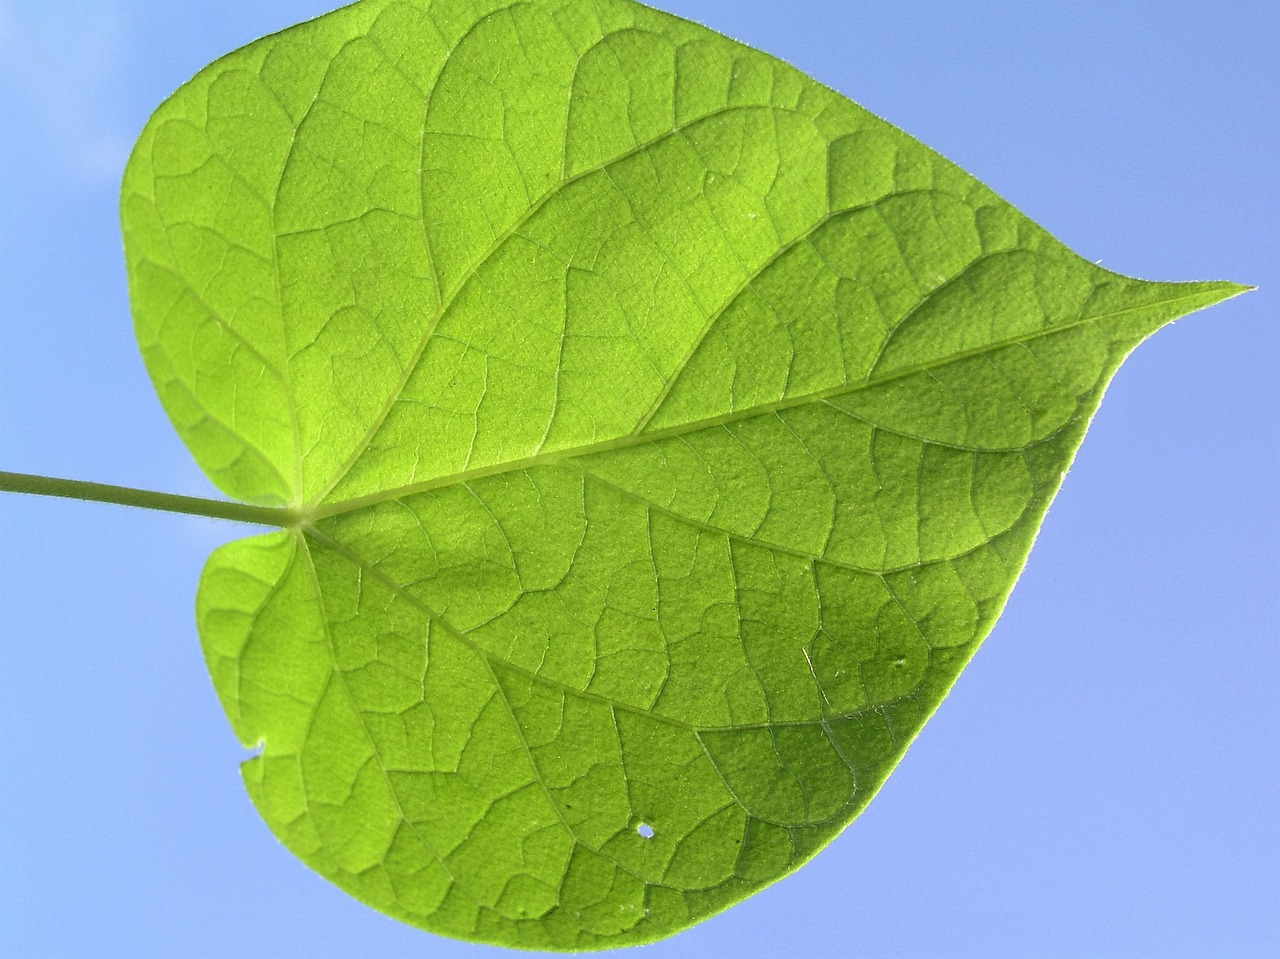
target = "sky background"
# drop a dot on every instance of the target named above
(1103, 781)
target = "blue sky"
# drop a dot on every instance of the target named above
(1101, 782)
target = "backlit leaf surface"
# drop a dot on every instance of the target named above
(667, 432)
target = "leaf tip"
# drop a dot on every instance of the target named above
(1208, 293)
(1230, 289)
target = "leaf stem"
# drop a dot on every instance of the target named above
(126, 496)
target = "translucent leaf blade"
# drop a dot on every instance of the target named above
(670, 432)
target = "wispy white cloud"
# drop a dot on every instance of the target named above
(59, 64)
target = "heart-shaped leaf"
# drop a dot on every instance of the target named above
(665, 432)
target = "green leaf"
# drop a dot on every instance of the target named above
(666, 432)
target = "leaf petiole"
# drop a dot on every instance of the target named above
(147, 499)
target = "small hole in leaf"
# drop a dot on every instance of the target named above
(645, 830)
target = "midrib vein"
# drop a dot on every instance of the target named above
(625, 442)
